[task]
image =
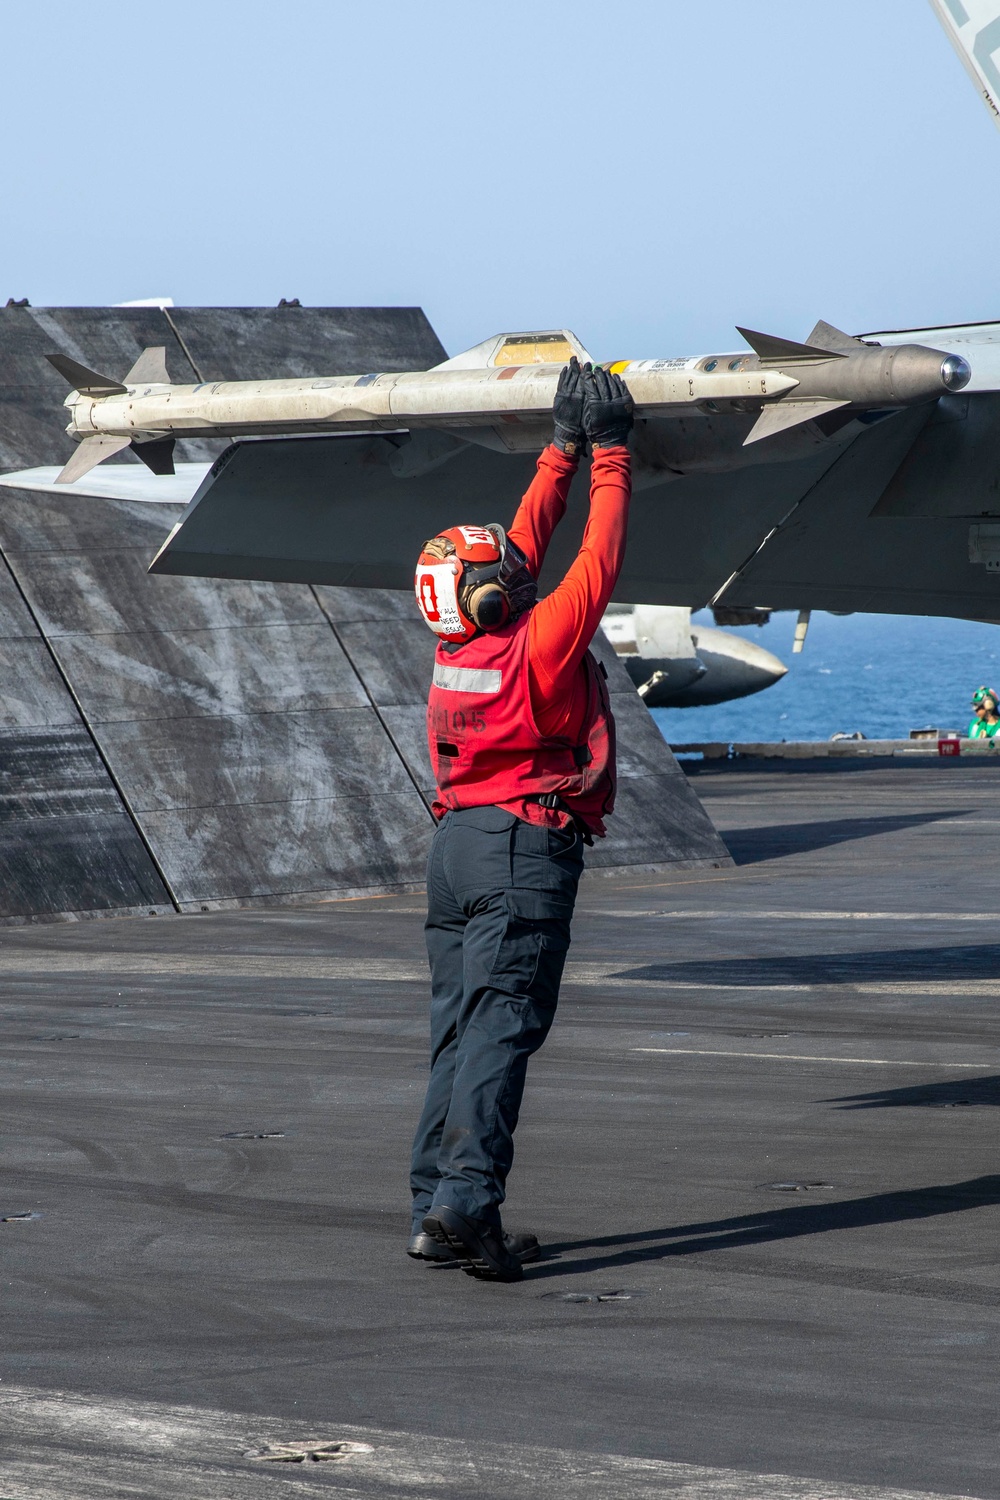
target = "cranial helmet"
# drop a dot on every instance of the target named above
(980, 696)
(472, 578)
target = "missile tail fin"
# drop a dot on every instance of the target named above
(788, 414)
(91, 452)
(150, 368)
(87, 382)
(831, 338)
(157, 455)
(778, 351)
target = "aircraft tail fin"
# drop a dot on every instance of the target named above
(973, 28)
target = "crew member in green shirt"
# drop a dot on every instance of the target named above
(987, 720)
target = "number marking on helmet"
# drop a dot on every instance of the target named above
(437, 598)
(478, 536)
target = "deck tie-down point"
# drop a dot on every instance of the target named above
(300, 1453)
(620, 1295)
(795, 1187)
(253, 1135)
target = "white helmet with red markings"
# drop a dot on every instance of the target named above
(472, 578)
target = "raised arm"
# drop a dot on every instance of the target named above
(543, 506)
(544, 503)
(563, 624)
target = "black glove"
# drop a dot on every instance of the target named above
(608, 409)
(567, 409)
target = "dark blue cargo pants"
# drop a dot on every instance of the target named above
(500, 895)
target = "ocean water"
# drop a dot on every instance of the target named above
(882, 674)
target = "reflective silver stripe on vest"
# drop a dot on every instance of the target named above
(467, 679)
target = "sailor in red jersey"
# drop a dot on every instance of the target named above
(522, 743)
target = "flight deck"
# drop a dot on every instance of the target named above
(759, 1150)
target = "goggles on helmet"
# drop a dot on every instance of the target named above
(472, 578)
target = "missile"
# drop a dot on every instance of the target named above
(108, 415)
(499, 393)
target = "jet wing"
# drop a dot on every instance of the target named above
(907, 520)
(891, 526)
(351, 511)
(115, 482)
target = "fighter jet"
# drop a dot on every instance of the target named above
(841, 472)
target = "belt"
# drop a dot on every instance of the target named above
(553, 800)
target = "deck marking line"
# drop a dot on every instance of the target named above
(619, 973)
(809, 916)
(880, 1062)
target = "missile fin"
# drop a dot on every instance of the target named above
(833, 339)
(788, 414)
(157, 454)
(91, 452)
(87, 382)
(150, 368)
(778, 351)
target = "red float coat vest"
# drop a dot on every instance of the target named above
(485, 746)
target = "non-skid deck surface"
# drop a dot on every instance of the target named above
(759, 1150)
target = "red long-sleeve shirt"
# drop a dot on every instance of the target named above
(562, 625)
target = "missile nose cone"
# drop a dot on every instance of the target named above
(917, 373)
(956, 372)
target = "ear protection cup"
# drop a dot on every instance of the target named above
(472, 578)
(487, 606)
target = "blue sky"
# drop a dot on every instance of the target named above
(648, 173)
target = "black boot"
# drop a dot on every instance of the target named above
(523, 1247)
(477, 1244)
